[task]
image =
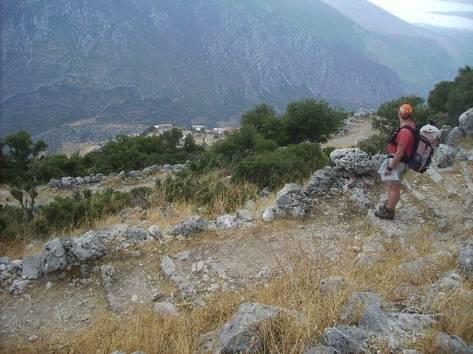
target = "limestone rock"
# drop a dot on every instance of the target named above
(18, 286)
(32, 267)
(321, 181)
(54, 256)
(359, 198)
(155, 231)
(165, 309)
(355, 161)
(136, 234)
(167, 266)
(190, 227)
(238, 335)
(321, 349)
(227, 222)
(293, 200)
(444, 156)
(454, 137)
(446, 344)
(86, 247)
(346, 339)
(271, 213)
(466, 122)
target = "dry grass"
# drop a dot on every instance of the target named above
(297, 289)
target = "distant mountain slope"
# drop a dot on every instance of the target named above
(206, 61)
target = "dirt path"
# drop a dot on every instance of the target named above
(359, 131)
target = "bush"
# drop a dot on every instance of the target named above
(375, 144)
(273, 169)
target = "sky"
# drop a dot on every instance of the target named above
(443, 13)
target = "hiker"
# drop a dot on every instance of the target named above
(400, 148)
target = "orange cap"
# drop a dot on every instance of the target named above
(405, 111)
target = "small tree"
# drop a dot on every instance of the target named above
(20, 157)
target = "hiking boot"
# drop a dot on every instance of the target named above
(383, 212)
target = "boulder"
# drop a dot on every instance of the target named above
(54, 256)
(167, 266)
(454, 137)
(355, 161)
(393, 328)
(85, 248)
(190, 227)
(5, 260)
(79, 181)
(321, 181)
(134, 174)
(122, 174)
(465, 259)
(466, 122)
(32, 267)
(239, 334)
(185, 287)
(346, 339)
(293, 200)
(444, 156)
(357, 301)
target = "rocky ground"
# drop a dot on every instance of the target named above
(62, 290)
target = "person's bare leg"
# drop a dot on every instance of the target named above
(394, 194)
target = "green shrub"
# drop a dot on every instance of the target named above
(273, 169)
(375, 144)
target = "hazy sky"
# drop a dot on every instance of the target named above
(434, 12)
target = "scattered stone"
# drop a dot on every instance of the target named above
(49, 285)
(165, 309)
(466, 122)
(272, 213)
(346, 339)
(465, 259)
(167, 266)
(18, 286)
(358, 198)
(33, 338)
(186, 289)
(446, 344)
(183, 256)
(155, 231)
(239, 334)
(321, 349)
(244, 216)
(227, 222)
(190, 227)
